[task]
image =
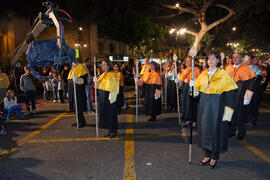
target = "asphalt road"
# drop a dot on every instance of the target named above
(46, 146)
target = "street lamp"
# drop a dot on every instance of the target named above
(234, 28)
(80, 28)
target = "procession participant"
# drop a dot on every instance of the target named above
(108, 88)
(120, 96)
(184, 81)
(145, 67)
(152, 89)
(253, 108)
(243, 76)
(217, 91)
(80, 80)
(172, 75)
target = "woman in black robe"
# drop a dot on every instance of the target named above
(108, 88)
(217, 91)
(120, 96)
(152, 91)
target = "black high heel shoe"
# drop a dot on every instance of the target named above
(213, 166)
(204, 163)
(113, 134)
(108, 134)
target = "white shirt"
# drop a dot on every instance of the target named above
(10, 103)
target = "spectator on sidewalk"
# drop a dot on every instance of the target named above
(55, 88)
(28, 87)
(45, 92)
(64, 74)
(88, 88)
(61, 88)
(11, 105)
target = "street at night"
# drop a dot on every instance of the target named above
(48, 147)
(135, 90)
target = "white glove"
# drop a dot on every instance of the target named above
(176, 81)
(228, 113)
(95, 79)
(192, 83)
(195, 91)
(112, 97)
(246, 102)
(74, 79)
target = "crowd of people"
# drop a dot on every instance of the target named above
(217, 97)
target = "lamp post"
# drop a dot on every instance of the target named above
(177, 31)
(79, 44)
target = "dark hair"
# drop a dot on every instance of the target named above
(217, 55)
(156, 66)
(109, 63)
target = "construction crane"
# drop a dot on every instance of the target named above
(56, 51)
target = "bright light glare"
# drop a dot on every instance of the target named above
(177, 5)
(234, 28)
(172, 31)
(85, 45)
(183, 30)
(80, 28)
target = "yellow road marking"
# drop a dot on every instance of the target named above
(101, 138)
(138, 136)
(30, 136)
(256, 151)
(73, 115)
(129, 170)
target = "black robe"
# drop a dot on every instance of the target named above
(171, 94)
(213, 132)
(120, 97)
(240, 114)
(253, 108)
(151, 106)
(187, 105)
(107, 112)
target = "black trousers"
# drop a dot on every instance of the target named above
(211, 155)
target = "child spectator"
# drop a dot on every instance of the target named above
(11, 105)
(61, 88)
(55, 88)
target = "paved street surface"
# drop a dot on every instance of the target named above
(48, 147)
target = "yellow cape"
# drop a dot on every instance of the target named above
(79, 70)
(220, 83)
(145, 69)
(109, 82)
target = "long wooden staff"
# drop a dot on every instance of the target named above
(95, 77)
(193, 53)
(75, 95)
(137, 92)
(177, 90)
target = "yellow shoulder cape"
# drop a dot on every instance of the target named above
(220, 83)
(79, 70)
(109, 82)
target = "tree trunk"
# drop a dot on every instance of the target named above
(140, 51)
